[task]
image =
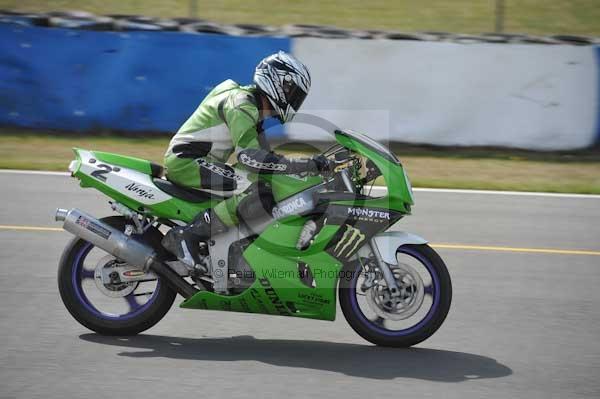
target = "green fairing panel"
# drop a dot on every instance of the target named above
(278, 289)
(398, 197)
(284, 186)
(174, 209)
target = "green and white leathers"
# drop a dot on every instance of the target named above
(226, 120)
(327, 236)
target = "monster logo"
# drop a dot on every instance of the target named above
(350, 241)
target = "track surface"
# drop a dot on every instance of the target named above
(523, 325)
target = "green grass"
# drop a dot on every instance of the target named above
(487, 169)
(463, 16)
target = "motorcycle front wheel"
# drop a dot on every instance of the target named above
(110, 309)
(405, 319)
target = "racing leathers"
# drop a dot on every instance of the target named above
(228, 121)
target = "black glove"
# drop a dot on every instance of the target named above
(323, 164)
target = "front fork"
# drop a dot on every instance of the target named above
(383, 248)
(372, 252)
(373, 249)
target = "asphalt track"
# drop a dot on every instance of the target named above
(525, 320)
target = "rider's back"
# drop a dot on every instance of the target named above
(214, 129)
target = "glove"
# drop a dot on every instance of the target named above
(322, 163)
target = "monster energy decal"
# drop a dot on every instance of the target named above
(350, 242)
(345, 214)
(369, 214)
(357, 226)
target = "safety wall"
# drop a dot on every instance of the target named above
(135, 81)
(543, 97)
(529, 96)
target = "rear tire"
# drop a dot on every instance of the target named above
(411, 336)
(150, 314)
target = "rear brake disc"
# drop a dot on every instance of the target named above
(114, 288)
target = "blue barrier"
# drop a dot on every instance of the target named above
(134, 81)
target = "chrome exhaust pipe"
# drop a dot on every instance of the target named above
(61, 215)
(121, 246)
(106, 237)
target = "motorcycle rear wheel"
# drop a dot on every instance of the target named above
(138, 318)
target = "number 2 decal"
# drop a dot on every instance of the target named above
(99, 174)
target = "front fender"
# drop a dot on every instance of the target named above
(388, 241)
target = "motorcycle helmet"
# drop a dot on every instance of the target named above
(285, 81)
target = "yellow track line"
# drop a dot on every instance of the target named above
(513, 249)
(29, 228)
(438, 246)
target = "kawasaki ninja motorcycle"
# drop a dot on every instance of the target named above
(325, 235)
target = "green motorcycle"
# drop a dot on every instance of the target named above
(326, 234)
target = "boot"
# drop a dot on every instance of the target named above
(184, 241)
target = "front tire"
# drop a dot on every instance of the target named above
(428, 321)
(137, 318)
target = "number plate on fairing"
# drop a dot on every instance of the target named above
(131, 183)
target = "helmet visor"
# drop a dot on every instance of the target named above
(294, 95)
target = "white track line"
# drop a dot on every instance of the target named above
(379, 188)
(521, 193)
(33, 172)
(382, 189)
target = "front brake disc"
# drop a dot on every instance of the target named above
(412, 294)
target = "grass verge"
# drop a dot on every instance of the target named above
(485, 169)
(462, 16)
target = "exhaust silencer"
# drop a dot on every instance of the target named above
(121, 246)
(106, 237)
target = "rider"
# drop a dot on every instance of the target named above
(230, 120)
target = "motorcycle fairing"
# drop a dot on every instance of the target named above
(279, 287)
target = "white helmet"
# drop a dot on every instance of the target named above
(285, 81)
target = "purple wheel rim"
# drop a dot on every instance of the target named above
(77, 277)
(410, 330)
